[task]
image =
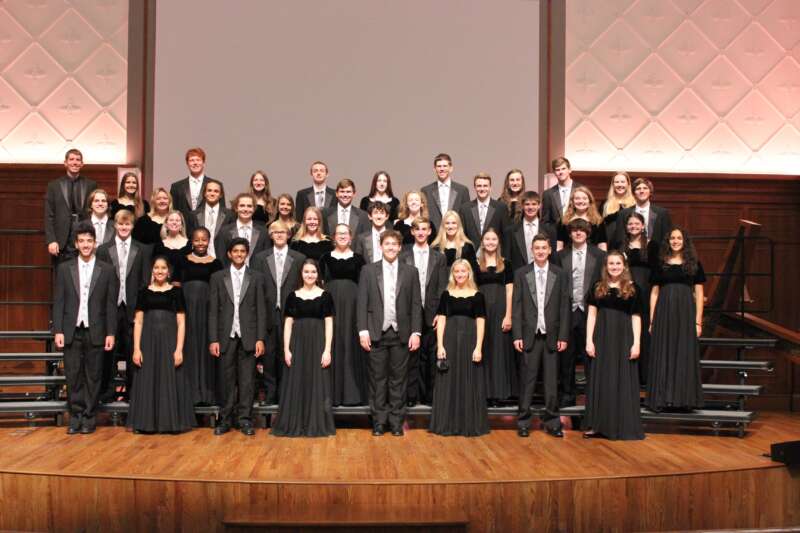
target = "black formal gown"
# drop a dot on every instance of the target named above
(393, 205)
(349, 362)
(198, 363)
(612, 397)
(305, 405)
(312, 250)
(147, 231)
(160, 400)
(499, 361)
(459, 397)
(641, 267)
(598, 235)
(674, 377)
(175, 256)
(115, 207)
(408, 237)
(261, 216)
(467, 252)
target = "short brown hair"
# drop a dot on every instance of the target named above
(482, 176)
(235, 202)
(319, 163)
(529, 196)
(579, 224)
(199, 152)
(391, 234)
(558, 161)
(345, 183)
(420, 220)
(73, 151)
(442, 157)
(639, 181)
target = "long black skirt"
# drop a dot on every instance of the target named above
(612, 399)
(305, 405)
(160, 401)
(674, 377)
(641, 276)
(459, 397)
(499, 360)
(198, 364)
(349, 364)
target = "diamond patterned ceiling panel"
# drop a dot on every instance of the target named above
(572, 115)
(63, 79)
(716, 86)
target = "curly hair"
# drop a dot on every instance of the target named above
(626, 246)
(688, 253)
(627, 289)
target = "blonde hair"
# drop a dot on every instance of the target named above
(460, 238)
(470, 283)
(501, 262)
(91, 200)
(592, 215)
(303, 231)
(613, 202)
(403, 212)
(155, 193)
(164, 232)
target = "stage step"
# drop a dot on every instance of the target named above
(737, 390)
(733, 342)
(736, 365)
(33, 407)
(39, 356)
(14, 381)
(35, 335)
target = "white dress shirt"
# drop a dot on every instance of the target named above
(644, 210)
(578, 271)
(99, 228)
(564, 193)
(319, 196)
(389, 295)
(195, 186)
(85, 271)
(280, 261)
(344, 215)
(530, 228)
(377, 253)
(237, 277)
(123, 249)
(211, 216)
(421, 254)
(483, 210)
(541, 288)
(444, 194)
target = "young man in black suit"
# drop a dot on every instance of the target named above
(130, 260)
(344, 212)
(368, 244)
(84, 324)
(583, 264)
(66, 200)
(431, 266)
(556, 198)
(540, 328)
(656, 218)
(243, 227)
(212, 213)
(444, 194)
(389, 319)
(237, 329)
(319, 194)
(281, 269)
(518, 238)
(187, 193)
(483, 212)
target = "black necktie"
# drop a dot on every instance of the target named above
(75, 194)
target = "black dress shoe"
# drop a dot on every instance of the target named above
(87, 425)
(247, 429)
(523, 432)
(398, 431)
(222, 428)
(591, 435)
(74, 425)
(558, 433)
(377, 430)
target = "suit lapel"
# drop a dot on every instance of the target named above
(229, 284)
(112, 252)
(273, 268)
(254, 236)
(476, 216)
(131, 257)
(588, 269)
(312, 201)
(65, 189)
(287, 265)
(451, 198)
(245, 284)
(430, 268)
(95, 277)
(76, 279)
(531, 277)
(187, 191)
(379, 277)
(489, 213)
(551, 282)
(398, 286)
(353, 222)
(559, 205)
(435, 197)
(651, 222)
(368, 247)
(519, 235)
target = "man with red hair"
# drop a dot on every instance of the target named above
(187, 193)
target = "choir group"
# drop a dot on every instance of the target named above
(311, 302)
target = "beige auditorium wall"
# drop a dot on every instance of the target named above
(361, 84)
(63, 80)
(684, 85)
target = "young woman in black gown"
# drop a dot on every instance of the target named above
(160, 401)
(620, 196)
(130, 197)
(453, 242)
(582, 205)
(195, 272)
(148, 228)
(412, 206)
(641, 256)
(340, 269)
(309, 239)
(381, 191)
(286, 214)
(266, 205)
(513, 187)
(613, 330)
(174, 244)
(459, 397)
(495, 279)
(676, 318)
(306, 409)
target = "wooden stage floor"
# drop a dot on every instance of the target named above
(677, 478)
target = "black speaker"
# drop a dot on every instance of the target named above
(786, 452)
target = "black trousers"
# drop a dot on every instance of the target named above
(83, 367)
(123, 351)
(532, 359)
(422, 368)
(388, 378)
(238, 368)
(272, 362)
(575, 352)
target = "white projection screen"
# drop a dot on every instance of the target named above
(363, 85)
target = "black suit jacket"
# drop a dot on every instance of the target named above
(459, 194)
(107, 236)
(552, 209)
(362, 245)
(253, 316)
(102, 312)
(259, 240)
(556, 306)
(359, 220)
(264, 262)
(408, 304)
(496, 217)
(435, 282)
(514, 249)
(595, 258)
(137, 270)
(305, 198)
(57, 214)
(198, 219)
(182, 196)
(659, 224)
